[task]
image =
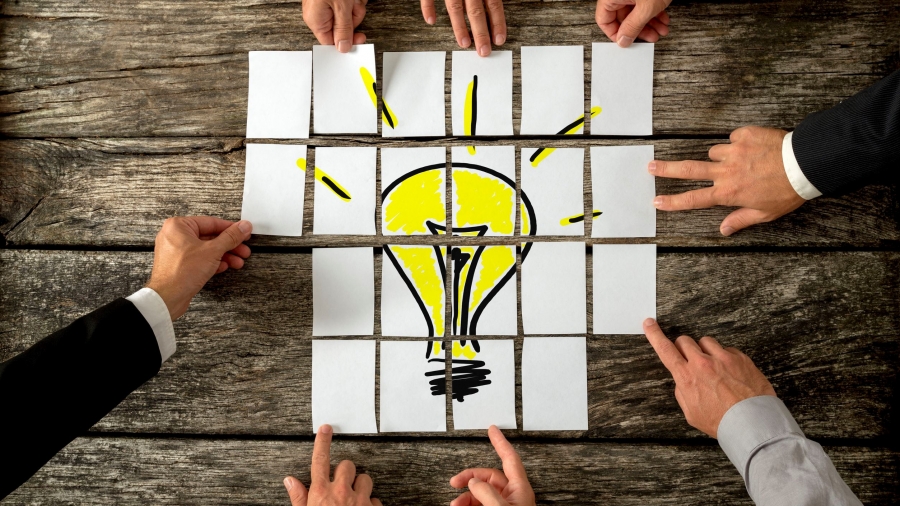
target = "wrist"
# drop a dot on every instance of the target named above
(170, 297)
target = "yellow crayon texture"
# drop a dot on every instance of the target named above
(301, 162)
(466, 351)
(332, 185)
(369, 83)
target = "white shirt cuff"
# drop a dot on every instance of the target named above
(751, 424)
(155, 311)
(794, 174)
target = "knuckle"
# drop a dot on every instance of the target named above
(454, 7)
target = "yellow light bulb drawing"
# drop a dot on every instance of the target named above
(422, 269)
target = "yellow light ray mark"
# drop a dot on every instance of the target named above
(415, 201)
(471, 149)
(578, 218)
(543, 153)
(470, 107)
(369, 83)
(573, 128)
(301, 162)
(526, 224)
(466, 351)
(436, 348)
(387, 115)
(484, 200)
(425, 274)
(494, 263)
(332, 185)
(596, 110)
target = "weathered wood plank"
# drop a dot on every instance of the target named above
(185, 471)
(153, 68)
(117, 192)
(822, 327)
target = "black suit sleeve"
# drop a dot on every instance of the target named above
(57, 389)
(846, 146)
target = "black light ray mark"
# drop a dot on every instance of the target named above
(335, 188)
(412, 289)
(576, 219)
(565, 129)
(474, 102)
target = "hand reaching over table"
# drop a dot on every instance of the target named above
(748, 173)
(485, 17)
(493, 487)
(347, 488)
(625, 20)
(333, 21)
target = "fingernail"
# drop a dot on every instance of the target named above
(288, 484)
(430, 20)
(473, 481)
(649, 322)
(625, 41)
(657, 201)
(484, 50)
(326, 429)
(465, 42)
(245, 226)
(651, 167)
(499, 39)
(726, 231)
(343, 45)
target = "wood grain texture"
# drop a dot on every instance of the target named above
(822, 327)
(102, 68)
(188, 471)
(116, 192)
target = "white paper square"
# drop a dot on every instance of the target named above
(552, 90)
(554, 383)
(622, 86)
(274, 185)
(412, 291)
(413, 191)
(554, 288)
(491, 291)
(343, 292)
(624, 287)
(623, 191)
(411, 373)
(414, 93)
(492, 111)
(278, 99)
(344, 99)
(477, 404)
(343, 386)
(352, 170)
(552, 192)
(484, 190)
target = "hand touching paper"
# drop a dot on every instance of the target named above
(625, 20)
(481, 13)
(493, 487)
(333, 21)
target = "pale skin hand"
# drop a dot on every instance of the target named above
(190, 251)
(333, 21)
(347, 489)
(748, 173)
(493, 487)
(625, 20)
(485, 16)
(709, 379)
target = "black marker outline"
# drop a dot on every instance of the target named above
(335, 188)
(412, 288)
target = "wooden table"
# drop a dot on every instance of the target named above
(116, 115)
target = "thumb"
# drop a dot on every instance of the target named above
(485, 493)
(296, 491)
(632, 25)
(741, 219)
(232, 237)
(343, 25)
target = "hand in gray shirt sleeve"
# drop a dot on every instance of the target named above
(780, 466)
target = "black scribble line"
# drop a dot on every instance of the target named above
(467, 377)
(439, 384)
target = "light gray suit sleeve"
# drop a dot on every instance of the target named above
(780, 466)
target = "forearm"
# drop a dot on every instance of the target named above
(65, 383)
(843, 147)
(780, 466)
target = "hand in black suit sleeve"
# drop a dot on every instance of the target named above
(843, 147)
(64, 384)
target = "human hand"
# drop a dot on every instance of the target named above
(343, 491)
(475, 9)
(625, 20)
(748, 173)
(492, 487)
(189, 251)
(333, 21)
(709, 379)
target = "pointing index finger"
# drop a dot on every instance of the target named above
(667, 352)
(320, 471)
(512, 464)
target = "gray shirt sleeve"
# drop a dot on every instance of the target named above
(780, 466)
